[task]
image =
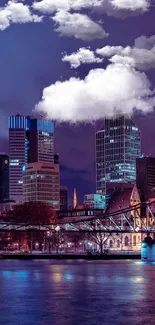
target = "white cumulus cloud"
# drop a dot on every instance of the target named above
(4, 20)
(141, 55)
(78, 25)
(103, 92)
(132, 5)
(143, 42)
(51, 6)
(118, 8)
(83, 55)
(16, 12)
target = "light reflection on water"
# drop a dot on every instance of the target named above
(77, 293)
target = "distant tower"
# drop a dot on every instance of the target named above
(74, 199)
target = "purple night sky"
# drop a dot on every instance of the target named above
(31, 59)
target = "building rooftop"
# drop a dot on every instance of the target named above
(121, 199)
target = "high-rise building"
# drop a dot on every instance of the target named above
(41, 140)
(56, 158)
(63, 198)
(4, 177)
(41, 183)
(117, 147)
(94, 201)
(145, 177)
(18, 154)
(31, 139)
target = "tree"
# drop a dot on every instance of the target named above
(75, 238)
(56, 240)
(31, 213)
(100, 239)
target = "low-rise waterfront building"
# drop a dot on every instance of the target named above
(94, 201)
(124, 196)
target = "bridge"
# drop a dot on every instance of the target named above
(139, 218)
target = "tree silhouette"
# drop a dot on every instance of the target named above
(56, 240)
(33, 213)
(75, 238)
(100, 239)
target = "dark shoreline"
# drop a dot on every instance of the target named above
(70, 257)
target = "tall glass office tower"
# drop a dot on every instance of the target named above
(117, 147)
(31, 139)
(41, 140)
(18, 154)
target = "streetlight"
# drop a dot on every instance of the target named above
(57, 228)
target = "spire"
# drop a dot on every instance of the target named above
(74, 199)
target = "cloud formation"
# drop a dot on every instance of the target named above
(111, 7)
(78, 25)
(101, 94)
(131, 4)
(15, 12)
(143, 42)
(140, 56)
(83, 55)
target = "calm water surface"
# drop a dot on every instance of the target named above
(77, 293)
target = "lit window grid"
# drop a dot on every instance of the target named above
(121, 149)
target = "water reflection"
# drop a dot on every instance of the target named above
(57, 277)
(68, 276)
(137, 279)
(62, 293)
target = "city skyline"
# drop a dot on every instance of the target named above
(77, 162)
(25, 120)
(32, 61)
(80, 195)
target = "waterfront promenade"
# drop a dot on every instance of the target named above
(62, 256)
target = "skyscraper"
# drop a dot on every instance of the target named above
(31, 139)
(117, 147)
(41, 140)
(145, 178)
(18, 154)
(56, 158)
(41, 183)
(4, 177)
(63, 198)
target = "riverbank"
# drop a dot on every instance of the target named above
(70, 257)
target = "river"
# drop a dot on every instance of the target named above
(77, 292)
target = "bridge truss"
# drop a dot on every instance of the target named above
(138, 218)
